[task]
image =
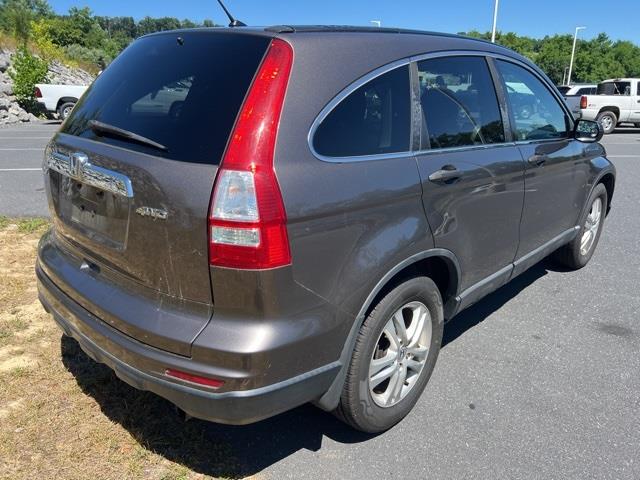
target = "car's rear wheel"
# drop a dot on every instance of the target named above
(578, 252)
(608, 121)
(65, 110)
(394, 356)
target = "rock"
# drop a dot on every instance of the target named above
(4, 104)
(61, 74)
(5, 60)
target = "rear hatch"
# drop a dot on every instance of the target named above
(130, 174)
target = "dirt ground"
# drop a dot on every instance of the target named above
(64, 416)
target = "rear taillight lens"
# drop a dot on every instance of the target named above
(247, 219)
(583, 101)
(37, 93)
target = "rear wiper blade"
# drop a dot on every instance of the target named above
(106, 129)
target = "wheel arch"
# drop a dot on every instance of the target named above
(611, 108)
(64, 100)
(609, 182)
(437, 262)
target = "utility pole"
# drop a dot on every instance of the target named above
(495, 20)
(573, 53)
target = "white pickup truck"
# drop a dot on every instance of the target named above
(58, 99)
(617, 101)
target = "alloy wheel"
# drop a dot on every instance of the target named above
(400, 354)
(591, 226)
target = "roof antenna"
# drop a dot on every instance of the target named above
(232, 21)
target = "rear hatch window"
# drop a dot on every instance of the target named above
(131, 198)
(180, 90)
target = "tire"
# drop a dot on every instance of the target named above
(608, 121)
(573, 255)
(65, 109)
(363, 408)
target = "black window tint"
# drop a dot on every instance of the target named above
(459, 102)
(183, 94)
(583, 91)
(614, 88)
(536, 112)
(374, 119)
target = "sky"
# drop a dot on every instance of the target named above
(536, 18)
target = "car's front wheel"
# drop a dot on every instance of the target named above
(394, 356)
(578, 252)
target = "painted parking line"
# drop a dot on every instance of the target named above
(623, 156)
(24, 138)
(20, 169)
(21, 149)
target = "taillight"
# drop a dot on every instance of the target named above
(583, 101)
(37, 93)
(247, 219)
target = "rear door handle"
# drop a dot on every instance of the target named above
(446, 173)
(537, 159)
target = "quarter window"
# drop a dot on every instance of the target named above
(372, 120)
(459, 102)
(536, 112)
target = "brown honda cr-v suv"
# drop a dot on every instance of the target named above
(245, 220)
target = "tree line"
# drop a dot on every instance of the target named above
(79, 35)
(595, 60)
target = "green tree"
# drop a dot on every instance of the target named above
(26, 70)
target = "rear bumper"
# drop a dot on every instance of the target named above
(143, 367)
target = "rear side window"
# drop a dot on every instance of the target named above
(372, 120)
(181, 90)
(459, 102)
(537, 113)
(614, 88)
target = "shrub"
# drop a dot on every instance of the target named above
(95, 56)
(41, 38)
(26, 70)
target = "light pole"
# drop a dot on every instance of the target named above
(495, 21)
(377, 23)
(573, 53)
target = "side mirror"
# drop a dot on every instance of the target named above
(588, 131)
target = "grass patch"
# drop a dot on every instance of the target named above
(64, 416)
(4, 222)
(11, 326)
(32, 225)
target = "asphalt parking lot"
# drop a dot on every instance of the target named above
(539, 380)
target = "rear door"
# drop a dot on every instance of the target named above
(135, 204)
(472, 176)
(557, 167)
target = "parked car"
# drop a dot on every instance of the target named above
(58, 99)
(617, 101)
(299, 225)
(573, 93)
(578, 89)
